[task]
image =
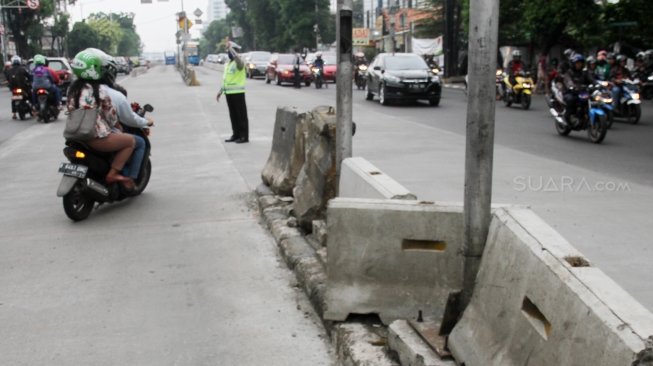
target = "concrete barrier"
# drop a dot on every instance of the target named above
(394, 258)
(361, 179)
(287, 154)
(537, 301)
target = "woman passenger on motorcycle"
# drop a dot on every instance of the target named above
(85, 92)
(575, 78)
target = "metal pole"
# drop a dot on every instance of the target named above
(344, 84)
(483, 43)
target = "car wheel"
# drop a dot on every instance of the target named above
(368, 94)
(382, 98)
(434, 101)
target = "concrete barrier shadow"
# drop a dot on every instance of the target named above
(537, 301)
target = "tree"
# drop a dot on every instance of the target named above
(27, 26)
(81, 37)
(212, 40)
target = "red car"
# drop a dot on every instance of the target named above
(280, 69)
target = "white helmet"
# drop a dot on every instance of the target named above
(516, 53)
(15, 60)
(318, 54)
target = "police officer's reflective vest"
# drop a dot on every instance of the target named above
(234, 79)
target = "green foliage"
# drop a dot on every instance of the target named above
(82, 36)
(213, 38)
(281, 25)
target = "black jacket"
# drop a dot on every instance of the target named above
(18, 77)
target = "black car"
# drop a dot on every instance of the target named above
(402, 76)
(257, 63)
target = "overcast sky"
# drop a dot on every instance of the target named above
(155, 23)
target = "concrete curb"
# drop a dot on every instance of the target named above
(357, 343)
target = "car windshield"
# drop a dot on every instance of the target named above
(56, 65)
(259, 56)
(404, 63)
(286, 60)
(329, 59)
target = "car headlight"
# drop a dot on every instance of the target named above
(251, 66)
(391, 79)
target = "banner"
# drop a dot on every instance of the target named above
(360, 36)
(427, 46)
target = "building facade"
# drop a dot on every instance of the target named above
(216, 10)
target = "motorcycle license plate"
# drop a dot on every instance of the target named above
(73, 170)
(16, 97)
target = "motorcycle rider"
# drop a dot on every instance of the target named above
(126, 116)
(574, 79)
(618, 74)
(515, 66)
(319, 63)
(85, 92)
(591, 66)
(602, 66)
(45, 78)
(18, 77)
(359, 59)
(565, 65)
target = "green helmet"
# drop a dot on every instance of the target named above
(109, 67)
(39, 60)
(87, 65)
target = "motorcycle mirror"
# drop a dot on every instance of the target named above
(148, 108)
(377, 68)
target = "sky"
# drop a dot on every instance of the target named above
(155, 22)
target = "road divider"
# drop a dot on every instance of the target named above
(400, 259)
(538, 301)
(361, 179)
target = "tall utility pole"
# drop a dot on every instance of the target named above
(483, 43)
(344, 85)
(450, 38)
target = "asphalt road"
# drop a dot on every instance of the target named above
(181, 275)
(599, 197)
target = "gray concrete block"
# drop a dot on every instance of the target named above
(392, 257)
(361, 179)
(287, 153)
(537, 302)
(411, 348)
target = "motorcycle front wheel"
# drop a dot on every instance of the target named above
(525, 101)
(507, 99)
(634, 113)
(77, 206)
(597, 131)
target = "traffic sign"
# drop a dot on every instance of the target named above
(33, 4)
(198, 13)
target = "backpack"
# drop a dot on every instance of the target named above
(41, 78)
(17, 77)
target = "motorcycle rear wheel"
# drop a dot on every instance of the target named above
(147, 172)
(507, 100)
(77, 206)
(563, 130)
(597, 131)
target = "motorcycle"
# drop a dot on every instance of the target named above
(318, 77)
(629, 104)
(47, 107)
(360, 76)
(83, 182)
(604, 99)
(521, 92)
(590, 116)
(20, 100)
(647, 87)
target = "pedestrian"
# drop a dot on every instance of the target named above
(233, 86)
